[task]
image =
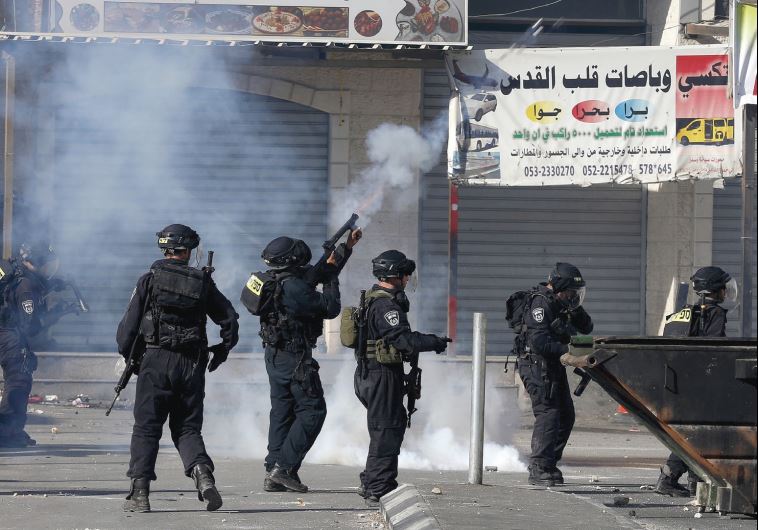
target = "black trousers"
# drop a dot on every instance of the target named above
(552, 407)
(298, 408)
(381, 391)
(170, 386)
(18, 365)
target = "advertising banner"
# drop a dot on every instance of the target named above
(743, 36)
(412, 22)
(582, 116)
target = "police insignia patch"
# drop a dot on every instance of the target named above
(392, 317)
(538, 313)
(28, 306)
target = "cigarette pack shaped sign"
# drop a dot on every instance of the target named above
(584, 116)
(417, 22)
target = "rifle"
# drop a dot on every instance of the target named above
(315, 275)
(136, 352)
(209, 268)
(362, 342)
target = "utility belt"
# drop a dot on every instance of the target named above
(382, 352)
(193, 353)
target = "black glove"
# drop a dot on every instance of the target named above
(561, 329)
(440, 344)
(220, 353)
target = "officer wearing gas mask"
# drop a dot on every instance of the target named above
(26, 281)
(291, 322)
(168, 313)
(379, 379)
(554, 315)
(707, 318)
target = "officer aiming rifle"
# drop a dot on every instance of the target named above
(381, 335)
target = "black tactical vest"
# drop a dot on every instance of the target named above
(176, 319)
(283, 331)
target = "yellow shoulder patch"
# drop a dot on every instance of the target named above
(255, 285)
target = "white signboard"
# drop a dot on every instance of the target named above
(583, 116)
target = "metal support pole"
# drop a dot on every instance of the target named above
(748, 230)
(10, 93)
(478, 369)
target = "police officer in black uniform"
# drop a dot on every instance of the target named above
(168, 309)
(289, 331)
(554, 315)
(380, 386)
(707, 319)
(27, 281)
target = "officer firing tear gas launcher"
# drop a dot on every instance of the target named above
(292, 314)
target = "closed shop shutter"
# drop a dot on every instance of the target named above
(727, 244)
(510, 238)
(239, 168)
(431, 306)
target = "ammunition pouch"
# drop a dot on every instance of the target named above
(349, 327)
(306, 374)
(382, 352)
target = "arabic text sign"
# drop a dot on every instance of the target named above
(341, 21)
(583, 116)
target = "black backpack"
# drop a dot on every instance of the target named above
(516, 307)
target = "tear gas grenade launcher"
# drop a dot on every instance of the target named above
(317, 271)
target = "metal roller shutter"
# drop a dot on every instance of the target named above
(727, 244)
(510, 238)
(239, 168)
(433, 222)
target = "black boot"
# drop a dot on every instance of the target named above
(288, 479)
(557, 476)
(206, 487)
(669, 485)
(271, 486)
(138, 499)
(372, 501)
(539, 476)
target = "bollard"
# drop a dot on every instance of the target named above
(478, 370)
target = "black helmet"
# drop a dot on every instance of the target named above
(178, 237)
(284, 252)
(41, 256)
(392, 264)
(710, 280)
(566, 277)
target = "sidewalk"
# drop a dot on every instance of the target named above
(75, 479)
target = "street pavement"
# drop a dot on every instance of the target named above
(75, 479)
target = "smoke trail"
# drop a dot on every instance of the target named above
(397, 154)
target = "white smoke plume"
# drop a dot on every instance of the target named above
(397, 154)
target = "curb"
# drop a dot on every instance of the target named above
(405, 509)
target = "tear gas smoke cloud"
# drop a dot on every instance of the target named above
(397, 155)
(438, 439)
(130, 141)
